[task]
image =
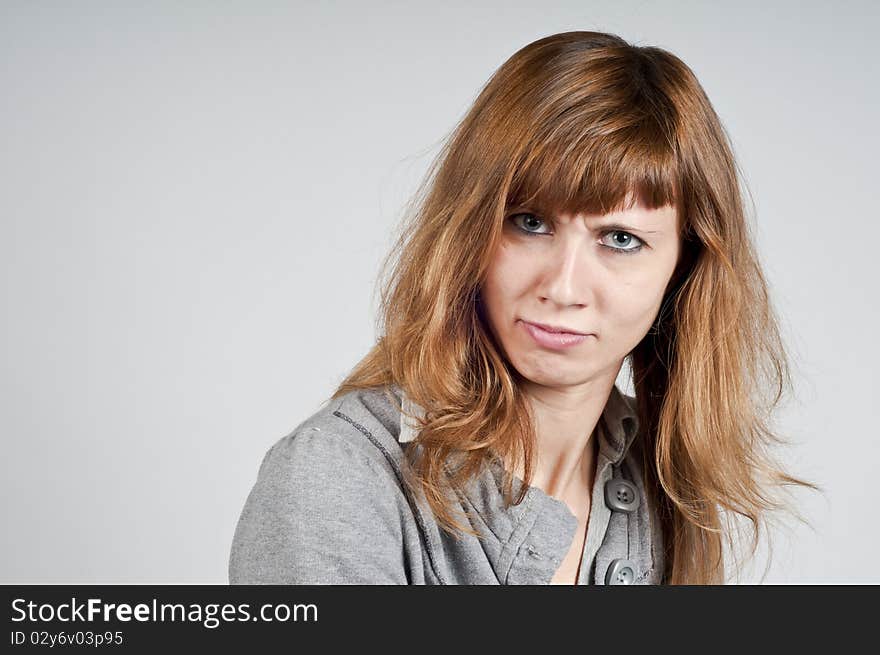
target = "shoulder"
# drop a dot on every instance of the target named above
(349, 434)
(321, 490)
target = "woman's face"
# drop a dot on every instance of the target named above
(600, 275)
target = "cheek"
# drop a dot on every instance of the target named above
(633, 306)
(503, 279)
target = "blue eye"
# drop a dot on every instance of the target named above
(530, 220)
(631, 238)
(528, 224)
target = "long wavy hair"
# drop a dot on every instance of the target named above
(582, 122)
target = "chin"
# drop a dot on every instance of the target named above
(553, 378)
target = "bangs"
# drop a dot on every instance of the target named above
(598, 171)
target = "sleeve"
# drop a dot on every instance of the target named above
(321, 512)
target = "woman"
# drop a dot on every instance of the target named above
(585, 212)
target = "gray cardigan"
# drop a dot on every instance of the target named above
(329, 507)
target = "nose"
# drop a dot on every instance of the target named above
(566, 279)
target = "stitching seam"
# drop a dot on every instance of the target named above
(418, 515)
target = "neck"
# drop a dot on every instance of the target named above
(566, 422)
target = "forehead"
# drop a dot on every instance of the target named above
(578, 170)
(638, 212)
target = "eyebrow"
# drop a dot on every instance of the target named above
(626, 228)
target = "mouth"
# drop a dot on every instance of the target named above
(555, 329)
(547, 337)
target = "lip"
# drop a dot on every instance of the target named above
(554, 328)
(554, 340)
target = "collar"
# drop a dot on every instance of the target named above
(619, 417)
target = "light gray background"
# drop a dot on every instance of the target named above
(195, 199)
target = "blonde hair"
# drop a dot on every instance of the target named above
(584, 122)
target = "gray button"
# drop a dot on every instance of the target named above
(621, 495)
(620, 571)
